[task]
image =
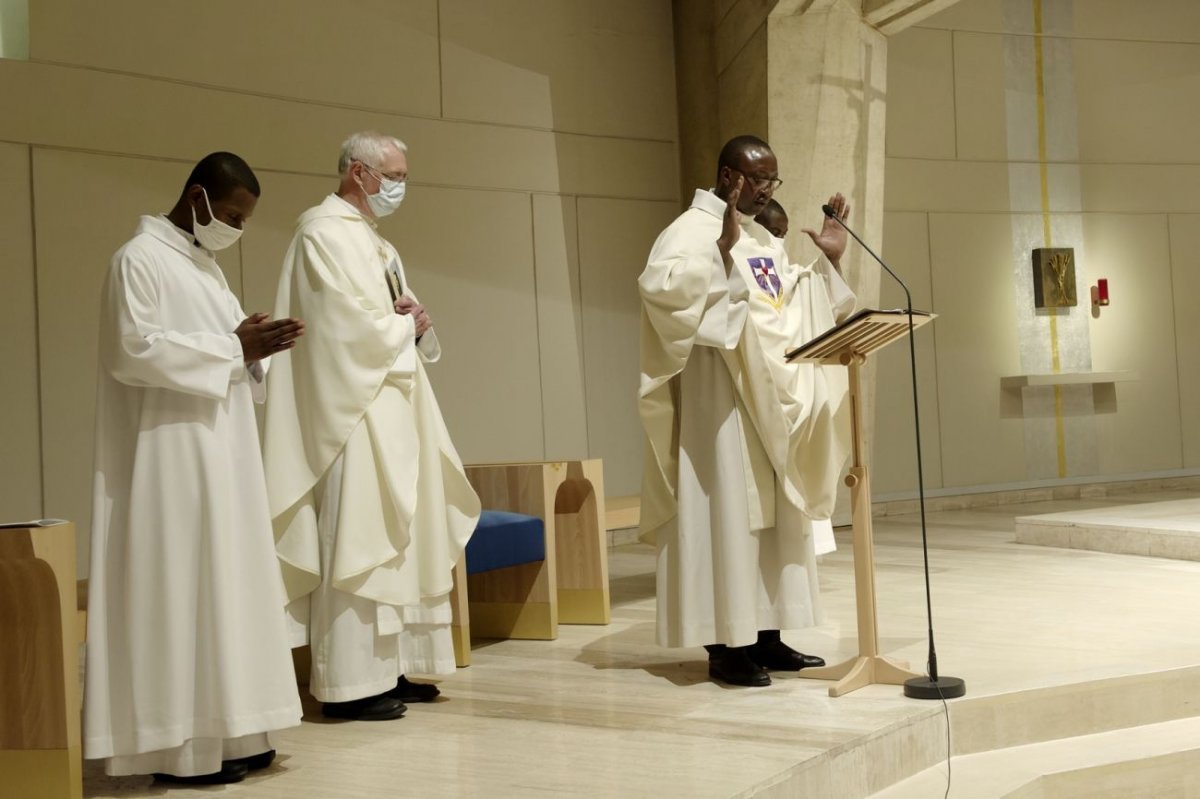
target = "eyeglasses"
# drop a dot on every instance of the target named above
(760, 183)
(383, 175)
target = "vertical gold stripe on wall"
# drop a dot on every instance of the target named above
(1039, 67)
(1060, 435)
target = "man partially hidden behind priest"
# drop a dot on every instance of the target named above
(188, 665)
(371, 505)
(744, 450)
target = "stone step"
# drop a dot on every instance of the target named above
(1067, 711)
(1152, 529)
(981, 726)
(1155, 760)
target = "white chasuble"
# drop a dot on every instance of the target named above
(188, 661)
(744, 450)
(370, 502)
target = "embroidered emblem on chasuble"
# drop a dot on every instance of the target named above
(767, 279)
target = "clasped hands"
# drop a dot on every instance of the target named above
(262, 336)
(421, 321)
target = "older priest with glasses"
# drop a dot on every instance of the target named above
(371, 505)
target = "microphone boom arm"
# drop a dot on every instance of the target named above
(917, 688)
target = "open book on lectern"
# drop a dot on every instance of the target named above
(863, 333)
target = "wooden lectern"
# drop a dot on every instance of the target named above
(849, 344)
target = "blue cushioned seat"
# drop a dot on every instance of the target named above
(503, 539)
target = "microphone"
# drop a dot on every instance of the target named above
(832, 214)
(931, 687)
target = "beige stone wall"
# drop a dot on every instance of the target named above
(721, 48)
(543, 162)
(1121, 82)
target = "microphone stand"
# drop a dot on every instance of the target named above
(933, 686)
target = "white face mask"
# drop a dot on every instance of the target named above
(216, 235)
(388, 198)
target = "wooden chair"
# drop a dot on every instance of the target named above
(517, 601)
(569, 586)
(40, 750)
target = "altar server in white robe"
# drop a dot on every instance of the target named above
(743, 449)
(188, 664)
(371, 505)
(774, 218)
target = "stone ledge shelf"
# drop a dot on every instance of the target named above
(1066, 379)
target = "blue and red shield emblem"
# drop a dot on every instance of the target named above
(767, 279)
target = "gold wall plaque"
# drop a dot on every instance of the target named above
(1054, 277)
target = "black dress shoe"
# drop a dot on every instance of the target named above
(231, 771)
(734, 666)
(371, 708)
(412, 692)
(778, 656)
(254, 762)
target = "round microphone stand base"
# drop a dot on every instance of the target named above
(943, 688)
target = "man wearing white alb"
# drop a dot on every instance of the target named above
(370, 502)
(743, 449)
(188, 664)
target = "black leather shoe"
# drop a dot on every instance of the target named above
(778, 656)
(254, 762)
(371, 708)
(413, 692)
(231, 771)
(734, 666)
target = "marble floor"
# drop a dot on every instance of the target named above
(604, 712)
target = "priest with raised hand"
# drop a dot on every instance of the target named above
(188, 665)
(371, 505)
(743, 450)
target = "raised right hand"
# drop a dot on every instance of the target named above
(262, 336)
(731, 224)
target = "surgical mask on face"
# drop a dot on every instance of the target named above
(388, 198)
(216, 235)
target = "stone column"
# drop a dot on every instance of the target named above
(826, 103)
(826, 100)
